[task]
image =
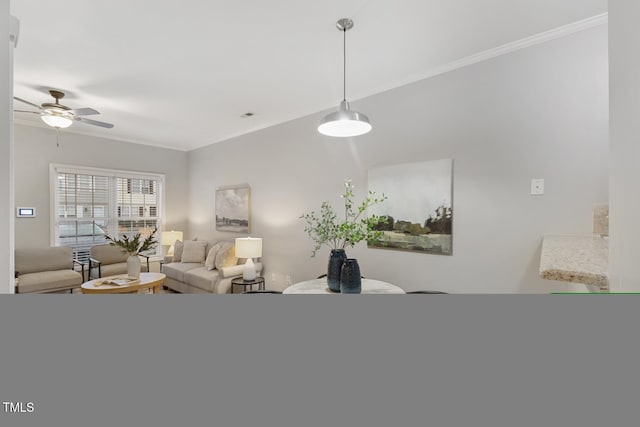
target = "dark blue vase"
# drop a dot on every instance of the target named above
(334, 269)
(350, 281)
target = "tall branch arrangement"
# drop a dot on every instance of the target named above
(325, 228)
(134, 246)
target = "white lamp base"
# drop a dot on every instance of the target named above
(249, 272)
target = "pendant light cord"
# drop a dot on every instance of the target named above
(344, 65)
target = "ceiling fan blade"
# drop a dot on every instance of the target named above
(93, 122)
(27, 102)
(84, 111)
(24, 111)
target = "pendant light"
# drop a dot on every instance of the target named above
(344, 122)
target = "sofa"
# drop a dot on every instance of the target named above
(42, 270)
(109, 260)
(203, 267)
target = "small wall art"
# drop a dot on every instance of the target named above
(232, 209)
(419, 206)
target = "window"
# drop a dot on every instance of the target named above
(93, 203)
(140, 186)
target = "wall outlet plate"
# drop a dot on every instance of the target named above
(537, 186)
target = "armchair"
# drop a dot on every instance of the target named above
(40, 270)
(107, 260)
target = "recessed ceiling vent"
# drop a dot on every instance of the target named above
(247, 115)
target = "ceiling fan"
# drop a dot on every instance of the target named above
(60, 116)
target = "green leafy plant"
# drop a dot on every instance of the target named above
(135, 245)
(325, 228)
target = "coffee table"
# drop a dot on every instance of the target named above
(147, 281)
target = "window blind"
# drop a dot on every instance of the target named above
(90, 204)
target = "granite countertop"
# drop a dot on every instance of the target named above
(575, 258)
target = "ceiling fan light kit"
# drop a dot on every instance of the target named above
(344, 122)
(57, 121)
(60, 116)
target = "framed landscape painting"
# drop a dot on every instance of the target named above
(232, 209)
(419, 206)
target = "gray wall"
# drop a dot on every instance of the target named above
(541, 112)
(36, 149)
(624, 38)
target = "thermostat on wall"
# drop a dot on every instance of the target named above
(26, 212)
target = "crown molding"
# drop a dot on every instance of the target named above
(514, 46)
(42, 126)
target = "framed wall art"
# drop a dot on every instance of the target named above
(419, 206)
(232, 209)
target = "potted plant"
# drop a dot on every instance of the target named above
(133, 247)
(325, 228)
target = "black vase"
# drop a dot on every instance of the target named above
(350, 281)
(334, 269)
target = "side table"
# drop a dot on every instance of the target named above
(241, 282)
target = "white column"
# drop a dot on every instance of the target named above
(624, 175)
(9, 29)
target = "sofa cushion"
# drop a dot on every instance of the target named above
(226, 256)
(238, 270)
(202, 278)
(177, 251)
(176, 270)
(43, 259)
(108, 254)
(194, 251)
(210, 262)
(49, 280)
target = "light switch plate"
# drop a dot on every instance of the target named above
(537, 186)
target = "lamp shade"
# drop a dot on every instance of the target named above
(248, 247)
(344, 123)
(57, 121)
(169, 239)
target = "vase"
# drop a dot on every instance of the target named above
(133, 267)
(334, 269)
(350, 281)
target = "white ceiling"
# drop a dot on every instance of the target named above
(180, 74)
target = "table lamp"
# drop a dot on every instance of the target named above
(248, 247)
(169, 238)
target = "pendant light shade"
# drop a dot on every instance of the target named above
(344, 122)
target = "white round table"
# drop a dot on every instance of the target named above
(319, 286)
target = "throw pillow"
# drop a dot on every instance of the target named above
(194, 251)
(177, 251)
(210, 262)
(226, 256)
